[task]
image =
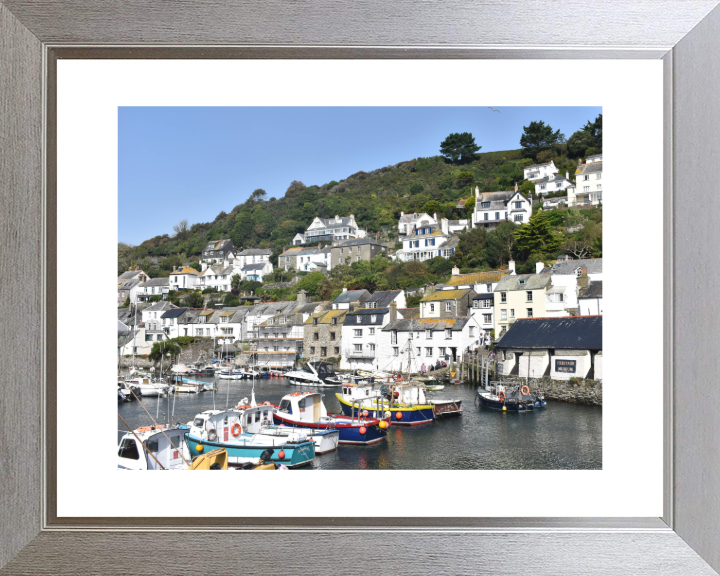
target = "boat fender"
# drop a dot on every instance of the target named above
(266, 403)
(212, 435)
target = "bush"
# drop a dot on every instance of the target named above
(545, 156)
(464, 179)
(210, 290)
(126, 303)
(155, 298)
(416, 188)
(194, 300)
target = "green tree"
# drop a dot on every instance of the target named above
(545, 156)
(464, 179)
(432, 207)
(416, 188)
(459, 148)
(578, 143)
(470, 206)
(310, 283)
(194, 300)
(537, 236)
(527, 188)
(235, 283)
(538, 136)
(594, 129)
(167, 347)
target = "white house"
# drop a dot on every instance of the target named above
(331, 229)
(361, 336)
(218, 252)
(153, 287)
(539, 171)
(257, 271)
(141, 340)
(588, 187)
(305, 258)
(350, 298)
(409, 222)
(260, 313)
(183, 278)
(554, 183)
(252, 256)
(129, 285)
(590, 302)
(385, 298)
(491, 208)
(565, 275)
(423, 341)
(427, 242)
(218, 277)
(152, 315)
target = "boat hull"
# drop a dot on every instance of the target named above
(489, 402)
(409, 415)
(349, 433)
(447, 408)
(296, 453)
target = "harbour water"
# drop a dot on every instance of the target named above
(561, 437)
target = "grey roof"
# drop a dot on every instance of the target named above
(366, 316)
(451, 242)
(571, 332)
(350, 296)
(311, 307)
(156, 282)
(498, 200)
(532, 282)
(330, 222)
(413, 217)
(553, 178)
(408, 313)
(356, 242)
(127, 284)
(223, 245)
(272, 308)
(384, 297)
(593, 265)
(590, 168)
(484, 296)
(162, 305)
(250, 267)
(594, 290)
(417, 325)
(538, 165)
(130, 274)
(255, 252)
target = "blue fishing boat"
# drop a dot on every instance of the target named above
(245, 434)
(509, 399)
(307, 410)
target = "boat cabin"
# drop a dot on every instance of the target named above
(303, 406)
(228, 425)
(412, 393)
(132, 455)
(352, 392)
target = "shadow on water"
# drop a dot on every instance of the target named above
(561, 437)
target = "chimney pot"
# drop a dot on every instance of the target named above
(511, 267)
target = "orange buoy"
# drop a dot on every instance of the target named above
(363, 430)
(281, 455)
(398, 415)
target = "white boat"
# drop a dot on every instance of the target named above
(230, 374)
(148, 387)
(166, 444)
(315, 374)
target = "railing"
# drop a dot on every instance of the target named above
(361, 354)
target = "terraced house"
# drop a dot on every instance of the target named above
(322, 336)
(446, 303)
(361, 336)
(354, 251)
(221, 252)
(524, 296)
(428, 242)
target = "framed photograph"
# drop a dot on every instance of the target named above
(447, 226)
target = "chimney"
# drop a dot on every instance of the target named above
(337, 218)
(567, 175)
(538, 267)
(393, 311)
(516, 187)
(455, 271)
(435, 216)
(477, 192)
(511, 266)
(302, 298)
(402, 213)
(344, 288)
(444, 226)
(582, 280)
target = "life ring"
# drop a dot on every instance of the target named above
(236, 429)
(212, 435)
(501, 396)
(525, 390)
(296, 394)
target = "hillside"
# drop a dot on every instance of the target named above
(375, 198)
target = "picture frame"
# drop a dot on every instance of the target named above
(33, 36)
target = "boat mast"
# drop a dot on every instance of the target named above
(134, 333)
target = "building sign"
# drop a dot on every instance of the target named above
(565, 366)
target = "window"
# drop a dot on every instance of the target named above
(497, 215)
(323, 351)
(518, 218)
(485, 204)
(225, 319)
(417, 351)
(503, 314)
(337, 350)
(518, 205)
(428, 334)
(447, 306)
(316, 336)
(512, 312)
(432, 307)
(475, 304)
(586, 177)
(357, 319)
(358, 250)
(485, 216)
(487, 318)
(373, 318)
(372, 331)
(528, 296)
(334, 321)
(148, 337)
(503, 329)
(358, 333)
(159, 336)
(315, 321)
(529, 313)
(128, 449)
(372, 304)
(542, 186)
(395, 351)
(503, 297)
(586, 188)
(441, 351)
(372, 348)
(555, 297)
(486, 304)
(599, 186)
(332, 335)
(358, 348)
(393, 337)
(598, 176)
(428, 352)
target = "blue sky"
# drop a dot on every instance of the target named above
(177, 163)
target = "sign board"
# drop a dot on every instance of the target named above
(565, 366)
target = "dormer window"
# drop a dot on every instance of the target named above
(485, 204)
(522, 282)
(315, 321)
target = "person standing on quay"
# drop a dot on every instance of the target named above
(423, 369)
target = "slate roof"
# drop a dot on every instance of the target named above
(589, 168)
(272, 308)
(498, 200)
(553, 178)
(572, 332)
(477, 278)
(185, 270)
(160, 306)
(538, 165)
(326, 317)
(593, 265)
(383, 297)
(255, 252)
(294, 251)
(223, 245)
(532, 282)
(156, 282)
(350, 296)
(251, 267)
(408, 313)
(484, 296)
(451, 242)
(356, 242)
(174, 313)
(366, 317)
(593, 290)
(126, 284)
(436, 324)
(415, 216)
(447, 295)
(130, 274)
(331, 222)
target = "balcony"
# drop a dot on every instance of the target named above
(366, 352)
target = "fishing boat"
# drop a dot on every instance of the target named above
(404, 408)
(307, 410)
(199, 384)
(127, 391)
(241, 433)
(147, 387)
(154, 448)
(315, 374)
(509, 399)
(227, 373)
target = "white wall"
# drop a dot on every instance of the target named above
(539, 361)
(582, 366)
(590, 306)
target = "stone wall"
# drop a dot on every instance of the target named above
(575, 391)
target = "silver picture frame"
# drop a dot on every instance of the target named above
(684, 34)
